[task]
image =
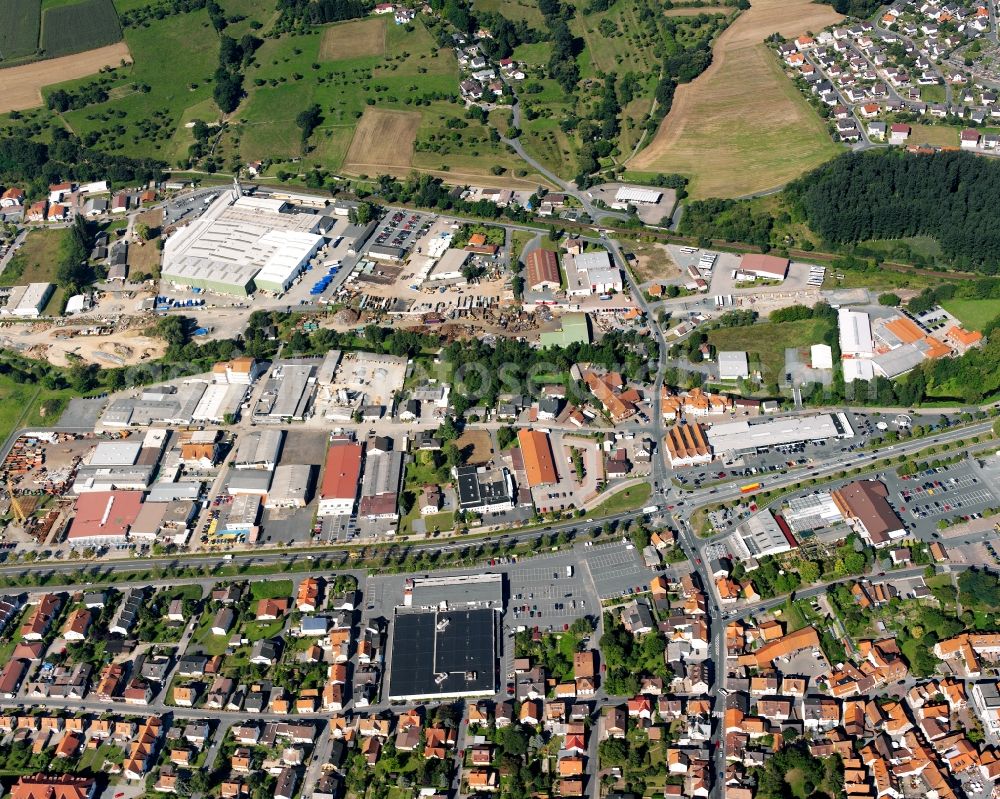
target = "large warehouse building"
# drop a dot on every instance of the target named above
(443, 654)
(737, 437)
(242, 243)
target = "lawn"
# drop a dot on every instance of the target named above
(271, 589)
(37, 259)
(973, 314)
(440, 521)
(940, 135)
(731, 141)
(768, 342)
(258, 630)
(933, 94)
(24, 405)
(629, 499)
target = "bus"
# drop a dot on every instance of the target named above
(749, 488)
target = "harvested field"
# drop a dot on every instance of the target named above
(479, 445)
(731, 141)
(383, 139)
(19, 32)
(693, 11)
(23, 84)
(356, 39)
(78, 27)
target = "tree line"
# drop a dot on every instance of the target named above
(34, 165)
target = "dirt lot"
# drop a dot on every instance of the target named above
(653, 262)
(365, 37)
(383, 139)
(732, 142)
(481, 443)
(22, 85)
(122, 348)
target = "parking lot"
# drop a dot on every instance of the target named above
(615, 569)
(401, 229)
(947, 492)
(542, 595)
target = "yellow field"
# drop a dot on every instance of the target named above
(22, 85)
(363, 37)
(741, 126)
(383, 141)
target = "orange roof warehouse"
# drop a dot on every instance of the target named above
(104, 517)
(765, 267)
(538, 462)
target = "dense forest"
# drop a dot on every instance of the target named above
(854, 8)
(33, 165)
(319, 12)
(889, 194)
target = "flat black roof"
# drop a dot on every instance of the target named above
(461, 644)
(476, 488)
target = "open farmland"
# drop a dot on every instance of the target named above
(22, 85)
(355, 39)
(76, 27)
(152, 121)
(383, 140)
(730, 141)
(19, 31)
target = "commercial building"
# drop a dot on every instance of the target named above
(238, 371)
(536, 450)
(636, 195)
(865, 505)
(986, 700)
(443, 654)
(687, 446)
(733, 365)
(294, 390)
(821, 356)
(484, 490)
(591, 273)
(104, 517)
(745, 437)
(766, 267)
(259, 449)
(574, 328)
(27, 301)
(380, 485)
(464, 591)
(240, 238)
(449, 265)
(219, 402)
(341, 477)
(761, 535)
(242, 514)
(812, 512)
(169, 405)
(542, 270)
(291, 486)
(855, 331)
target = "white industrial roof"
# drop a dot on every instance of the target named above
(231, 242)
(742, 436)
(855, 333)
(733, 364)
(218, 400)
(858, 369)
(821, 356)
(587, 261)
(289, 250)
(115, 453)
(628, 194)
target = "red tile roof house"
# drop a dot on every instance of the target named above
(11, 198)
